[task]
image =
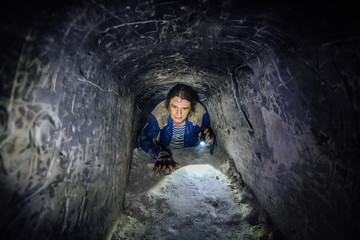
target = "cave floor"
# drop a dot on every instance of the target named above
(204, 199)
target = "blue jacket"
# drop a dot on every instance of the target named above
(158, 130)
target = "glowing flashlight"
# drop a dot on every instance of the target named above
(202, 139)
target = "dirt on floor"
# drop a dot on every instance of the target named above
(204, 199)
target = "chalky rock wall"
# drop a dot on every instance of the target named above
(65, 150)
(281, 83)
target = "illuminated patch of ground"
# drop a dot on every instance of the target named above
(202, 200)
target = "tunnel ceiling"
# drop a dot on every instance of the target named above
(176, 41)
(167, 41)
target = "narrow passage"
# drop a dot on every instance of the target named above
(204, 199)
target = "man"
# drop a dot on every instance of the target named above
(176, 122)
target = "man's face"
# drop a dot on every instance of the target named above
(179, 110)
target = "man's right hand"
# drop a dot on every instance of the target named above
(164, 160)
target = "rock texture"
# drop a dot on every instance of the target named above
(280, 81)
(204, 199)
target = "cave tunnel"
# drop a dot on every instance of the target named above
(280, 81)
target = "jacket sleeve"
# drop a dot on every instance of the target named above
(147, 139)
(205, 120)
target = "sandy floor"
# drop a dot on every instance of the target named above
(204, 199)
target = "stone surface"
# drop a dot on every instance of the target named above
(78, 78)
(204, 199)
(65, 153)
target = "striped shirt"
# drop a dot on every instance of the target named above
(177, 140)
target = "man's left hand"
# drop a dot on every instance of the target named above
(209, 135)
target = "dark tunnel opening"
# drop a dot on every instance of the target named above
(78, 78)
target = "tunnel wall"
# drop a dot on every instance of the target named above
(292, 133)
(282, 95)
(65, 149)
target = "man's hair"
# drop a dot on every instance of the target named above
(184, 92)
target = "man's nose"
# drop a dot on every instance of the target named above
(178, 112)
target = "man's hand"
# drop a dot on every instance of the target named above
(164, 160)
(209, 135)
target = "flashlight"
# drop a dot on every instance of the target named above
(203, 142)
(202, 139)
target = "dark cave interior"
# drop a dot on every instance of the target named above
(280, 80)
